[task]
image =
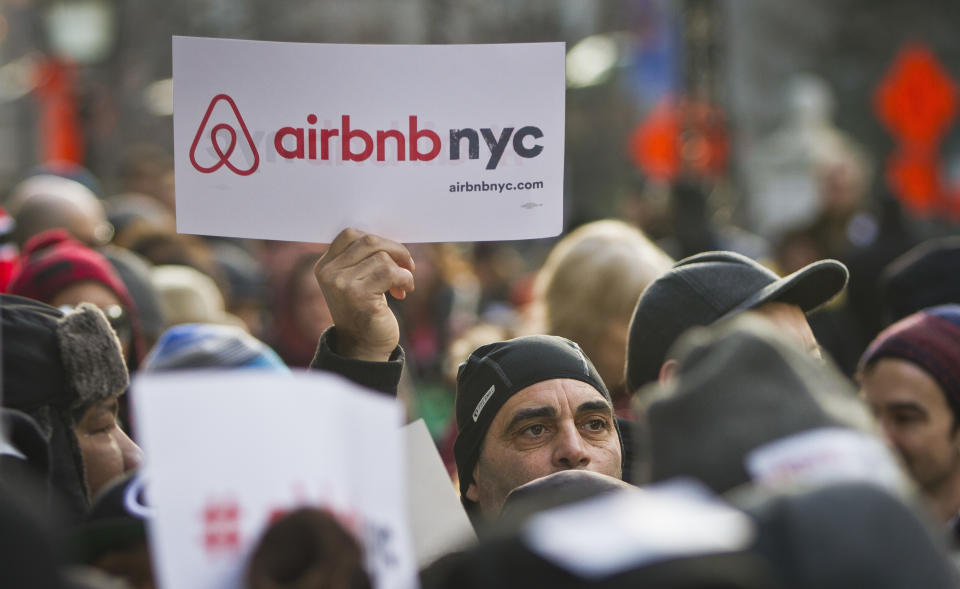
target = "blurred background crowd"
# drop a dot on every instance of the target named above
(789, 132)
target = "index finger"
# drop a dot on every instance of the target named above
(354, 246)
(342, 240)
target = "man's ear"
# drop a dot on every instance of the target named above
(667, 371)
(473, 494)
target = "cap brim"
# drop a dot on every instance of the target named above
(808, 288)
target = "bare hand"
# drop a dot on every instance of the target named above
(355, 274)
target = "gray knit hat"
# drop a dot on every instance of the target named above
(740, 387)
(850, 535)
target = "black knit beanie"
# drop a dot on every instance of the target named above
(495, 372)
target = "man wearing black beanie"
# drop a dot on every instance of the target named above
(525, 408)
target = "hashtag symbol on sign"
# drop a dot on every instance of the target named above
(221, 526)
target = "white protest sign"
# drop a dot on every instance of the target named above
(438, 522)
(823, 456)
(228, 452)
(296, 141)
(614, 532)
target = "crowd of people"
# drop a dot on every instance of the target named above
(609, 416)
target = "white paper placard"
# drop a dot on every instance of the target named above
(614, 532)
(438, 522)
(823, 456)
(258, 128)
(226, 452)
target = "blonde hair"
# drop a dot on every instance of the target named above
(592, 279)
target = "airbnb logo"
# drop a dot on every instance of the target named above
(223, 153)
(348, 142)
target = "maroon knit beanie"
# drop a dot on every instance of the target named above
(51, 261)
(931, 340)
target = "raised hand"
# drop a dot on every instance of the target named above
(355, 274)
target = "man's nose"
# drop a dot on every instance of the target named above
(131, 452)
(570, 450)
(890, 431)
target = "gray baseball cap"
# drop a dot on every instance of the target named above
(710, 286)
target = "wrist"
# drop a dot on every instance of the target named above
(349, 346)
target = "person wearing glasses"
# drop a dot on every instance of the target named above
(62, 272)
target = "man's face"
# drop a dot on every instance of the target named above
(792, 322)
(547, 427)
(107, 451)
(913, 411)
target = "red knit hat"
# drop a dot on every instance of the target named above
(52, 261)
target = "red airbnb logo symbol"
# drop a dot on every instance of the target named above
(223, 154)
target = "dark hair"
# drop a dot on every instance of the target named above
(307, 549)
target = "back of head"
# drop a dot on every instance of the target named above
(850, 535)
(189, 296)
(129, 210)
(45, 202)
(307, 549)
(926, 276)
(591, 281)
(707, 287)
(204, 345)
(739, 388)
(659, 538)
(134, 271)
(555, 490)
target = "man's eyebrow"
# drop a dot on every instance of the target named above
(111, 405)
(906, 405)
(595, 406)
(525, 414)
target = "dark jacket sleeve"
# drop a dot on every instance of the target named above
(379, 376)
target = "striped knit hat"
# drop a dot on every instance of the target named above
(205, 345)
(931, 340)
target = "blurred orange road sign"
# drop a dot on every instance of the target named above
(917, 102)
(917, 99)
(915, 178)
(680, 135)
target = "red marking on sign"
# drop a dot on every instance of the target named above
(223, 154)
(221, 521)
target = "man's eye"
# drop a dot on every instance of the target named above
(536, 429)
(597, 425)
(904, 419)
(103, 426)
